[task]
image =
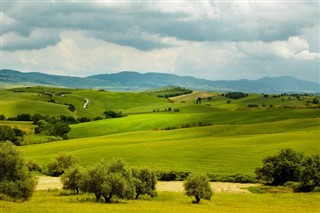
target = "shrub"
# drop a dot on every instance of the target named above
(7, 133)
(199, 187)
(253, 105)
(278, 169)
(235, 95)
(15, 180)
(34, 166)
(62, 162)
(310, 174)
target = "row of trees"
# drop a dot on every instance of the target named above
(290, 166)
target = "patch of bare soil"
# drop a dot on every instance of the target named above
(47, 182)
(177, 186)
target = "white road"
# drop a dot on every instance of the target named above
(85, 105)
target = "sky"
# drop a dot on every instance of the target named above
(214, 40)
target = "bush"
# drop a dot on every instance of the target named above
(34, 166)
(278, 169)
(61, 164)
(7, 133)
(199, 187)
(252, 105)
(235, 95)
(15, 180)
(310, 174)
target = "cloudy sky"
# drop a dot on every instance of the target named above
(206, 39)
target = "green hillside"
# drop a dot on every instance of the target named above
(218, 136)
(215, 149)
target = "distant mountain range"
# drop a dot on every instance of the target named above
(130, 81)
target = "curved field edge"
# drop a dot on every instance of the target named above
(53, 201)
(193, 150)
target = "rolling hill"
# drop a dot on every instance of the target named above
(128, 81)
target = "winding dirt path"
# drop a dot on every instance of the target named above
(85, 105)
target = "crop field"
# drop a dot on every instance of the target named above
(220, 136)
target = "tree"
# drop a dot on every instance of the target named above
(15, 180)
(315, 101)
(310, 174)
(71, 178)
(93, 178)
(145, 181)
(109, 180)
(60, 129)
(199, 187)
(7, 133)
(283, 167)
(62, 162)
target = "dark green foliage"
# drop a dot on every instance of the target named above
(60, 129)
(7, 133)
(33, 165)
(2, 117)
(71, 107)
(278, 169)
(310, 174)
(199, 187)
(112, 114)
(24, 117)
(171, 92)
(315, 101)
(235, 95)
(67, 119)
(84, 119)
(54, 129)
(18, 132)
(62, 162)
(145, 181)
(71, 178)
(172, 175)
(253, 105)
(15, 181)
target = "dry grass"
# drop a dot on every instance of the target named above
(47, 182)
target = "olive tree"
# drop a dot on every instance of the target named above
(71, 178)
(199, 187)
(108, 180)
(15, 179)
(145, 181)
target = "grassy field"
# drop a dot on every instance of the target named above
(221, 149)
(53, 201)
(235, 140)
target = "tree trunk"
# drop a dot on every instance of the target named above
(107, 199)
(197, 198)
(137, 196)
(98, 195)
(77, 189)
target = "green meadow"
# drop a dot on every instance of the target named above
(55, 201)
(218, 137)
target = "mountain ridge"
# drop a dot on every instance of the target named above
(131, 80)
